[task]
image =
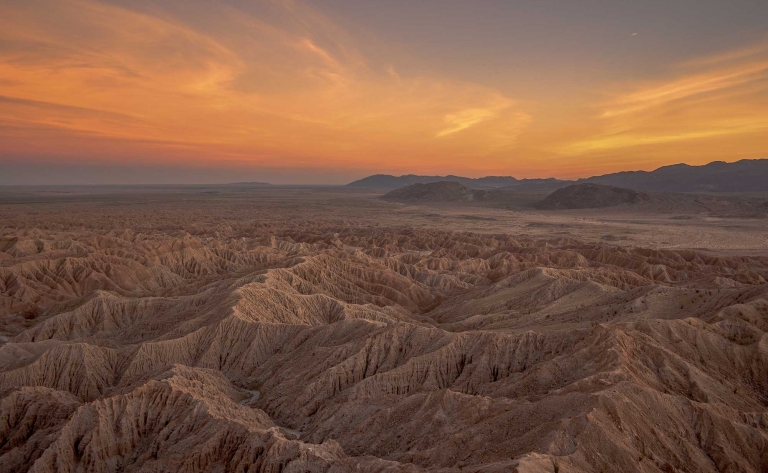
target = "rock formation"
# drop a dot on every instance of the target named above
(329, 347)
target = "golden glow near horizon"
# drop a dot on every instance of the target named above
(83, 81)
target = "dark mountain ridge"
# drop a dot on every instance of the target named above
(747, 175)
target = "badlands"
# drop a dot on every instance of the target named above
(258, 329)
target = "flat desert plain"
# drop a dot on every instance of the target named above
(264, 329)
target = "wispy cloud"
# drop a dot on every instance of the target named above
(464, 119)
(686, 87)
(712, 98)
(237, 88)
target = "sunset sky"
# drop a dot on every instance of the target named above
(327, 91)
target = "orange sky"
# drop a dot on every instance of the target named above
(292, 87)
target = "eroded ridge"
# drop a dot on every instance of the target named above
(334, 347)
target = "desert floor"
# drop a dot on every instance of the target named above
(225, 328)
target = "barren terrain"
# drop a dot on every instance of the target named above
(245, 329)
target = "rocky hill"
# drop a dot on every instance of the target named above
(590, 196)
(457, 194)
(442, 191)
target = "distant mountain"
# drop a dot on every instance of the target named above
(443, 191)
(386, 181)
(748, 175)
(590, 196)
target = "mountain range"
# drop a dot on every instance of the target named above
(748, 175)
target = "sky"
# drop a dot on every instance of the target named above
(328, 91)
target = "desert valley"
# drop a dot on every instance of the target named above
(435, 327)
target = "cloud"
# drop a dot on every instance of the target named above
(464, 119)
(712, 100)
(267, 89)
(625, 140)
(687, 86)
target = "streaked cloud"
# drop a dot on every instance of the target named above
(707, 104)
(688, 86)
(464, 119)
(242, 89)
